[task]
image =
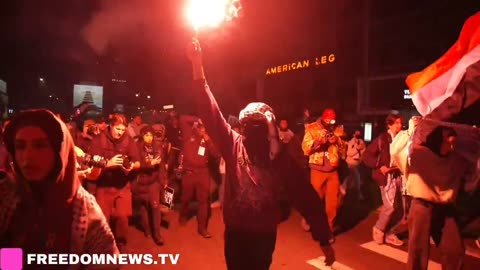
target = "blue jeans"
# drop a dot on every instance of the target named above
(392, 212)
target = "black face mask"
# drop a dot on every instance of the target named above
(255, 130)
(256, 142)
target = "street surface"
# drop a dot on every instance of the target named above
(295, 250)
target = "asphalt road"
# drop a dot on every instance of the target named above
(295, 250)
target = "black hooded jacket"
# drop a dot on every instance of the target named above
(106, 146)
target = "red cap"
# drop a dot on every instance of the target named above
(328, 115)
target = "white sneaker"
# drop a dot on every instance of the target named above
(378, 236)
(393, 240)
(215, 204)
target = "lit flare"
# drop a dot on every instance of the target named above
(211, 13)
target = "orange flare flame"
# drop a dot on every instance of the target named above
(211, 13)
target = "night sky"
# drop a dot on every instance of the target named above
(143, 42)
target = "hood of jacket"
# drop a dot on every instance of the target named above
(63, 183)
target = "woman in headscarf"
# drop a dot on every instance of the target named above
(43, 208)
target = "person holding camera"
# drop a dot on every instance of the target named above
(83, 140)
(146, 188)
(113, 185)
(320, 144)
(89, 167)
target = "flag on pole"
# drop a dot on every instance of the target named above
(451, 84)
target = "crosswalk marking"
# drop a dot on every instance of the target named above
(471, 253)
(395, 254)
(319, 264)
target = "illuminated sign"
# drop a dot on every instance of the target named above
(87, 94)
(367, 132)
(406, 94)
(3, 99)
(307, 63)
(3, 87)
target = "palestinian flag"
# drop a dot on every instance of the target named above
(449, 89)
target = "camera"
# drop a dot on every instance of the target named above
(126, 161)
(330, 127)
(94, 161)
(91, 130)
(158, 134)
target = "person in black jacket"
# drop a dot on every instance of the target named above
(113, 185)
(197, 150)
(251, 206)
(149, 183)
(389, 178)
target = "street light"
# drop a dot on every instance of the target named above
(137, 95)
(42, 80)
(148, 97)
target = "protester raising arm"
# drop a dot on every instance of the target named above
(251, 206)
(207, 107)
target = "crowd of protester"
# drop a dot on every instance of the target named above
(97, 173)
